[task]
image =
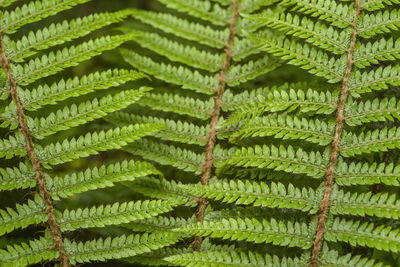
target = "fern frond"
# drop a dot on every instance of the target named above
(177, 131)
(159, 223)
(34, 11)
(115, 214)
(51, 94)
(291, 234)
(373, 110)
(371, 141)
(317, 34)
(281, 158)
(54, 62)
(380, 205)
(366, 234)
(95, 178)
(160, 188)
(309, 58)
(182, 105)
(170, 155)
(372, 5)
(157, 257)
(23, 215)
(87, 111)
(118, 247)
(20, 177)
(60, 33)
(204, 10)
(375, 52)
(259, 194)
(249, 6)
(232, 258)
(239, 74)
(278, 99)
(373, 24)
(366, 174)
(287, 127)
(30, 253)
(376, 79)
(91, 143)
(183, 28)
(182, 76)
(291, 96)
(339, 15)
(13, 146)
(175, 51)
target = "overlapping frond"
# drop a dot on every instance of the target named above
(34, 66)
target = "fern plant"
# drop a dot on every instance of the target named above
(198, 58)
(39, 108)
(329, 151)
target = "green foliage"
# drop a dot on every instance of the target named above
(41, 115)
(270, 136)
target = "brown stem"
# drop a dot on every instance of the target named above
(330, 172)
(37, 165)
(211, 140)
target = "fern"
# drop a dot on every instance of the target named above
(348, 132)
(266, 134)
(37, 106)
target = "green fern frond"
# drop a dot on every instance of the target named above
(380, 205)
(366, 174)
(338, 15)
(13, 146)
(258, 194)
(193, 107)
(182, 159)
(375, 52)
(281, 158)
(239, 74)
(177, 131)
(159, 223)
(175, 51)
(115, 214)
(34, 11)
(51, 94)
(374, 110)
(381, 22)
(371, 141)
(95, 178)
(161, 188)
(23, 215)
(91, 143)
(30, 253)
(20, 177)
(204, 10)
(292, 234)
(287, 127)
(183, 28)
(232, 258)
(309, 58)
(366, 234)
(376, 79)
(118, 247)
(54, 62)
(60, 33)
(317, 34)
(87, 111)
(182, 76)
